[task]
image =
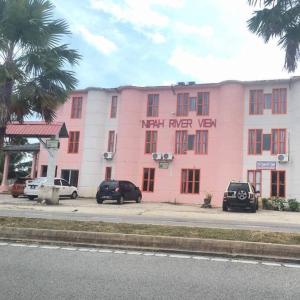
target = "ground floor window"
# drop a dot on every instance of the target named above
(190, 181)
(71, 176)
(108, 173)
(254, 177)
(278, 184)
(148, 179)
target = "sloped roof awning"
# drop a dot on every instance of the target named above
(22, 148)
(37, 130)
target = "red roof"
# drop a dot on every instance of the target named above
(36, 129)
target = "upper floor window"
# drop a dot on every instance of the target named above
(152, 105)
(73, 145)
(278, 141)
(190, 181)
(256, 102)
(203, 104)
(150, 141)
(201, 142)
(182, 104)
(279, 102)
(111, 141)
(255, 141)
(113, 108)
(181, 141)
(148, 179)
(76, 108)
(267, 101)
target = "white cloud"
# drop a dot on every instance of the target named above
(156, 37)
(100, 42)
(254, 60)
(201, 31)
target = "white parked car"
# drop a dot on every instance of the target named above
(65, 189)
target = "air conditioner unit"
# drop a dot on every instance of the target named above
(156, 156)
(168, 156)
(282, 158)
(108, 155)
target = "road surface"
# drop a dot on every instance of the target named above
(49, 272)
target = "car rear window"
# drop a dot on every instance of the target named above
(109, 184)
(234, 186)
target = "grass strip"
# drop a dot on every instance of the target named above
(156, 230)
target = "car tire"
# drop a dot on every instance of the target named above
(139, 199)
(121, 200)
(99, 201)
(15, 196)
(74, 195)
(257, 205)
(31, 197)
(224, 207)
(253, 208)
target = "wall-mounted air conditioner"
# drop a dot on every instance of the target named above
(157, 156)
(168, 156)
(282, 158)
(108, 155)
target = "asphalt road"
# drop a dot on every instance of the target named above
(142, 219)
(37, 272)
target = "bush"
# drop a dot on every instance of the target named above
(294, 205)
(266, 203)
(278, 204)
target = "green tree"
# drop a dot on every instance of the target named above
(34, 75)
(279, 19)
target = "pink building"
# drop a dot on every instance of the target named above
(177, 143)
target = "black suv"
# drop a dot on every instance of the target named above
(240, 195)
(119, 190)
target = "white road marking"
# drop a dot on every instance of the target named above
(292, 266)
(120, 252)
(105, 251)
(133, 253)
(68, 248)
(85, 249)
(201, 257)
(179, 256)
(220, 259)
(148, 254)
(271, 264)
(50, 247)
(3, 244)
(18, 245)
(253, 262)
(160, 254)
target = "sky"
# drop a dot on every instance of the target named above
(162, 42)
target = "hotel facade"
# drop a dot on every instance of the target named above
(180, 142)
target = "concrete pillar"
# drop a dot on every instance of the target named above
(4, 183)
(33, 165)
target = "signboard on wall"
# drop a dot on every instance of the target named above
(52, 144)
(266, 165)
(163, 165)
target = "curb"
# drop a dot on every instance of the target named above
(157, 243)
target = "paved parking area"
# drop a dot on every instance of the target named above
(151, 213)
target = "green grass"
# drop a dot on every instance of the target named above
(158, 230)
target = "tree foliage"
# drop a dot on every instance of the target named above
(33, 62)
(279, 19)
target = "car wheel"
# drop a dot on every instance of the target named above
(15, 195)
(224, 207)
(31, 197)
(139, 199)
(253, 208)
(99, 201)
(256, 205)
(74, 195)
(121, 200)
(242, 195)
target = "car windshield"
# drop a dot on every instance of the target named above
(38, 180)
(234, 186)
(109, 184)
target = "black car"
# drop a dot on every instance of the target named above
(240, 195)
(119, 190)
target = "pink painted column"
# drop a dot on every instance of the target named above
(33, 165)
(4, 183)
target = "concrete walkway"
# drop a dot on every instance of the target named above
(151, 213)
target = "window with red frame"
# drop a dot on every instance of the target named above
(113, 108)
(148, 179)
(111, 141)
(76, 108)
(279, 101)
(278, 139)
(181, 140)
(278, 184)
(256, 102)
(203, 104)
(201, 145)
(182, 104)
(152, 105)
(108, 173)
(190, 181)
(73, 145)
(255, 141)
(254, 177)
(150, 141)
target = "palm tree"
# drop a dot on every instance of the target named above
(279, 19)
(33, 78)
